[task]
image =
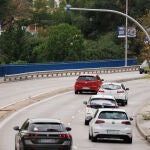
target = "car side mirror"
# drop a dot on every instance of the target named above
(68, 128)
(85, 102)
(127, 88)
(90, 118)
(131, 118)
(102, 79)
(16, 128)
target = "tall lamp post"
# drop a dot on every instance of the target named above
(126, 36)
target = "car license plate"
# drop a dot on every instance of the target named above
(47, 141)
(85, 88)
(112, 131)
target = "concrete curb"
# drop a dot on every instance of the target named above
(139, 119)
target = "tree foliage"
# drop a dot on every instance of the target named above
(68, 35)
(65, 43)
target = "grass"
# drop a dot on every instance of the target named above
(147, 76)
(146, 116)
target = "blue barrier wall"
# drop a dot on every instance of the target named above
(22, 68)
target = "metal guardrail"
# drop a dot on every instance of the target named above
(67, 73)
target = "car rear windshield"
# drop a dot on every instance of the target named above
(87, 78)
(111, 87)
(113, 115)
(47, 127)
(102, 99)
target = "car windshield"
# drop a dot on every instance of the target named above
(87, 78)
(46, 127)
(113, 115)
(111, 87)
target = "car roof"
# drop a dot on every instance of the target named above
(112, 109)
(102, 96)
(44, 120)
(116, 83)
(88, 75)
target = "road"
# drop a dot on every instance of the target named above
(69, 108)
(12, 92)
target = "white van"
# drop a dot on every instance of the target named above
(144, 67)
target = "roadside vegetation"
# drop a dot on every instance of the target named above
(60, 35)
(146, 116)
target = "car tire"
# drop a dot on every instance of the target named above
(76, 92)
(128, 140)
(86, 122)
(89, 136)
(123, 103)
(94, 139)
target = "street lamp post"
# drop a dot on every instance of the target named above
(68, 7)
(126, 36)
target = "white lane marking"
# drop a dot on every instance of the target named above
(24, 108)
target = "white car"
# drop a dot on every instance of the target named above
(118, 90)
(110, 123)
(98, 101)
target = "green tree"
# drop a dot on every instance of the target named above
(104, 48)
(13, 42)
(65, 43)
(4, 8)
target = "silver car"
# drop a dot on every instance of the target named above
(98, 101)
(118, 90)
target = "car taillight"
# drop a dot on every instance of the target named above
(116, 105)
(88, 105)
(126, 122)
(120, 91)
(101, 91)
(99, 121)
(30, 134)
(64, 135)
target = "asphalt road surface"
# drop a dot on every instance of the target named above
(69, 108)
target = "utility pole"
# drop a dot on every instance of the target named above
(126, 36)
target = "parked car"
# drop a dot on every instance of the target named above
(111, 124)
(118, 90)
(98, 101)
(144, 67)
(39, 134)
(87, 83)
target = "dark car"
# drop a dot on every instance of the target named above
(43, 134)
(87, 83)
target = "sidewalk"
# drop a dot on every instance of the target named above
(143, 121)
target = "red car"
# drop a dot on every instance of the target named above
(87, 83)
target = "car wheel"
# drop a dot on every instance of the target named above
(123, 103)
(76, 92)
(86, 122)
(89, 136)
(94, 139)
(128, 140)
(15, 147)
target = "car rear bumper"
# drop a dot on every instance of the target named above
(47, 147)
(64, 146)
(108, 136)
(91, 88)
(121, 100)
